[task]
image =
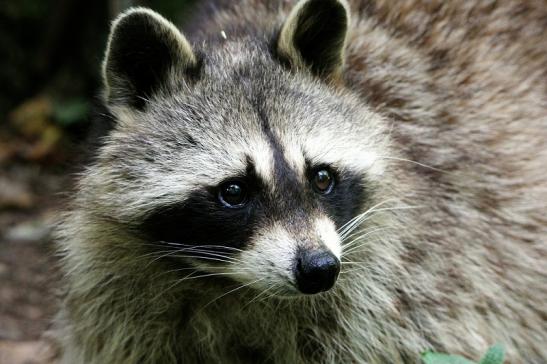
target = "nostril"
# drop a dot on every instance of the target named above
(316, 270)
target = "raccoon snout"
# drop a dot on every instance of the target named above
(316, 270)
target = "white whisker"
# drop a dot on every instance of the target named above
(352, 246)
(231, 291)
(342, 230)
(414, 162)
(203, 258)
(370, 212)
(273, 286)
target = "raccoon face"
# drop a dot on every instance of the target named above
(241, 159)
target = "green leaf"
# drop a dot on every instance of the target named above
(71, 111)
(438, 358)
(494, 355)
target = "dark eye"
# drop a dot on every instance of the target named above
(323, 181)
(233, 194)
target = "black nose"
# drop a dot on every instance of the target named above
(316, 270)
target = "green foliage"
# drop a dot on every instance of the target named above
(494, 355)
(72, 111)
(438, 358)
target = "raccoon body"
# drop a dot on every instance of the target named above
(315, 182)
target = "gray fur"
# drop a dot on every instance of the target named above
(441, 109)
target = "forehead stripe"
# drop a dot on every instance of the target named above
(282, 174)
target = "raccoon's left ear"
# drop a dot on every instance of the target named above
(314, 36)
(145, 53)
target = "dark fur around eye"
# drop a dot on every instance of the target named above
(345, 194)
(344, 201)
(201, 220)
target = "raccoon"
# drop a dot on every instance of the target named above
(317, 181)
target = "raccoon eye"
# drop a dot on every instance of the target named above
(323, 181)
(233, 194)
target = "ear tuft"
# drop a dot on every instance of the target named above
(144, 49)
(314, 36)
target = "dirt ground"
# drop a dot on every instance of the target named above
(29, 278)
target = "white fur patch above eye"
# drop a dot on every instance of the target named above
(357, 155)
(262, 155)
(294, 156)
(359, 160)
(328, 235)
(369, 161)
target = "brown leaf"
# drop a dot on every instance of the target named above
(32, 117)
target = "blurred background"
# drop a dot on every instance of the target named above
(51, 52)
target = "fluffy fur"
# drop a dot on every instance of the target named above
(439, 108)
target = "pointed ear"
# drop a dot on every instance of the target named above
(145, 52)
(314, 36)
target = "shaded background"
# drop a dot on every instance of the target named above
(51, 53)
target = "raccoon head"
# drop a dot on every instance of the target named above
(243, 157)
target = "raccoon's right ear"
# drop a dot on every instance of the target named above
(145, 52)
(314, 36)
